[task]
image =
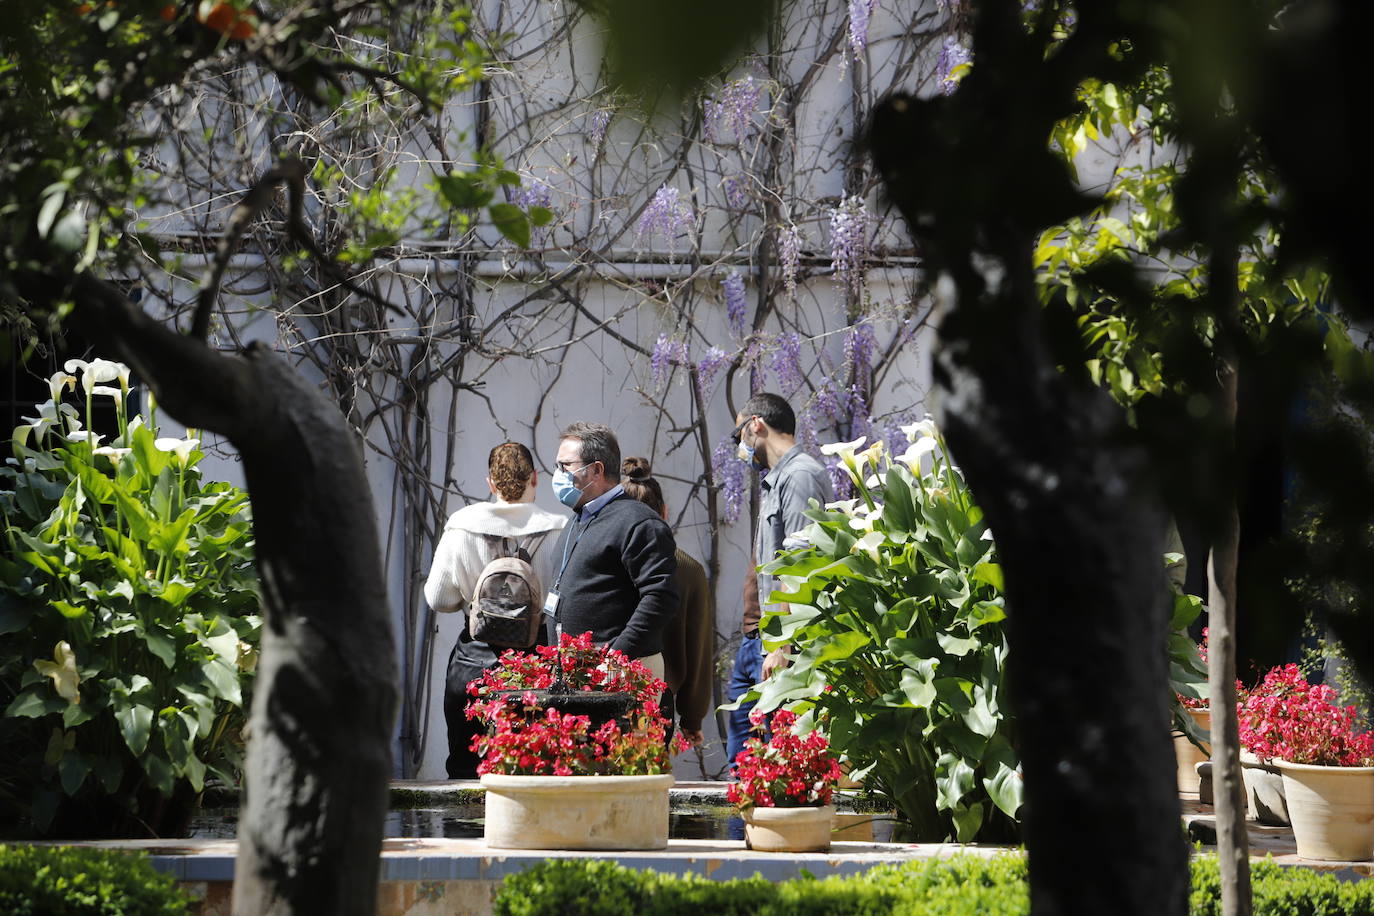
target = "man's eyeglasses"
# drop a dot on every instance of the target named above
(566, 466)
(735, 433)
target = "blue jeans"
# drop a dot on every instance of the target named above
(747, 672)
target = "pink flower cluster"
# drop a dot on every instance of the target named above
(1288, 718)
(525, 739)
(786, 771)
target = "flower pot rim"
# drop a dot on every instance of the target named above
(550, 781)
(1290, 765)
(755, 810)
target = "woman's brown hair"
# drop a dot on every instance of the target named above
(509, 466)
(637, 477)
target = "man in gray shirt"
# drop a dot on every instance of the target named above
(766, 435)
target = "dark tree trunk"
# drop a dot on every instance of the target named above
(319, 756)
(1066, 485)
(1080, 534)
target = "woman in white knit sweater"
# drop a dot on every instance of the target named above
(473, 538)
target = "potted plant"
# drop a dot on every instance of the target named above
(784, 785)
(1264, 796)
(1327, 764)
(128, 618)
(1191, 713)
(576, 754)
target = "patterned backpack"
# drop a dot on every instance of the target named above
(507, 601)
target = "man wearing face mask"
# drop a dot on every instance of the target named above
(615, 562)
(766, 437)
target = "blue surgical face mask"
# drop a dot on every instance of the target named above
(563, 487)
(746, 452)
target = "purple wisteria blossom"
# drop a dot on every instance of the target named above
(829, 404)
(849, 242)
(953, 54)
(731, 111)
(859, 345)
(859, 422)
(533, 192)
(667, 353)
(736, 309)
(668, 215)
(597, 122)
(728, 472)
(860, 14)
(787, 363)
(892, 434)
(708, 371)
(736, 192)
(839, 477)
(789, 256)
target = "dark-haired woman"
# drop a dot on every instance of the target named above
(689, 638)
(474, 536)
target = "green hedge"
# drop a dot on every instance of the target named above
(73, 881)
(961, 886)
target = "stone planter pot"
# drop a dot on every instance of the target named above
(1189, 756)
(1332, 810)
(789, 829)
(576, 812)
(1264, 799)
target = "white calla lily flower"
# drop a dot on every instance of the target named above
(85, 435)
(96, 371)
(918, 450)
(922, 428)
(60, 382)
(182, 447)
(843, 448)
(844, 505)
(114, 453)
(107, 391)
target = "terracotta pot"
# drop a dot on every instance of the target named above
(1332, 810)
(577, 812)
(1265, 802)
(1189, 755)
(789, 829)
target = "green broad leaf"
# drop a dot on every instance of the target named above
(967, 820)
(110, 773)
(15, 613)
(50, 208)
(194, 770)
(957, 645)
(76, 713)
(466, 192)
(915, 653)
(980, 717)
(954, 779)
(1004, 783)
(176, 591)
(135, 516)
(223, 643)
(982, 613)
(33, 702)
(72, 770)
(972, 548)
(783, 627)
(171, 539)
(135, 724)
(1186, 609)
(956, 693)
(989, 574)
(540, 216)
(841, 646)
(160, 773)
(512, 222)
(67, 610)
(969, 745)
(161, 644)
(899, 509)
(150, 460)
(918, 684)
(224, 679)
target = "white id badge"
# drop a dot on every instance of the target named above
(551, 604)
